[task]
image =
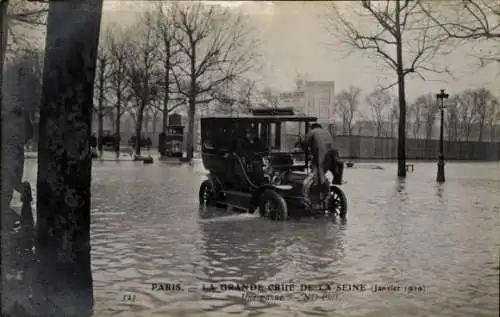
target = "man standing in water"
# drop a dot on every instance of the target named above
(323, 152)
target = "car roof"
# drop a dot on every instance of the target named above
(259, 118)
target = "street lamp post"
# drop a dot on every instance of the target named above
(440, 173)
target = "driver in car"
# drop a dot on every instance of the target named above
(321, 143)
(251, 148)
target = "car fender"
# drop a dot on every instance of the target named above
(277, 188)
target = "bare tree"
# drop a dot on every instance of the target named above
(347, 106)
(142, 73)
(428, 110)
(379, 101)
(236, 97)
(466, 111)
(101, 89)
(469, 20)
(484, 109)
(169, 48)
(118, 52)
(216, 47)
(396, 26)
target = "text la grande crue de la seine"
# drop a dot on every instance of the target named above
(322, 287)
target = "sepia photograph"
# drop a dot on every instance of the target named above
(250, 158)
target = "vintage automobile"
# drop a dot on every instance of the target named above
(288, 190)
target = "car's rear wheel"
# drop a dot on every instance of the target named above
(273, 206)
(337, 203)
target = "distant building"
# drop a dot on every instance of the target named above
(295, 100)
(315, 98)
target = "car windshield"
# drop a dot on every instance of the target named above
(293, 131)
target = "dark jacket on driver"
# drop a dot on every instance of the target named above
(321, 142)
(324, 154)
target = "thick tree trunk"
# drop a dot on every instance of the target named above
(3, 34)
(402, 98)
(3, 43)
(138, 129)
(118, 119)
(64, 160)
(401, 129)
(166, 87)
(164, 122)
(190, 132)
(191, 103)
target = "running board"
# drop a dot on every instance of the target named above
(237, 193)
(225, 203)
(237, 199)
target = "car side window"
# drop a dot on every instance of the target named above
(224, 138)
(208, 138)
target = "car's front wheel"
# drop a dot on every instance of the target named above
(337, 202)
(273, 206)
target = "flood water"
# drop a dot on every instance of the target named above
(147, 229)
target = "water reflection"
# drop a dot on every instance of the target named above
(401, 189)
(439, 190)
(250, 250)
(244, 249)
(400, 184)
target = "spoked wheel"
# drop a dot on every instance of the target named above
(207, 193)
(337, 202)
(273, 206)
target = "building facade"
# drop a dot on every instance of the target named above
(314, 98)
